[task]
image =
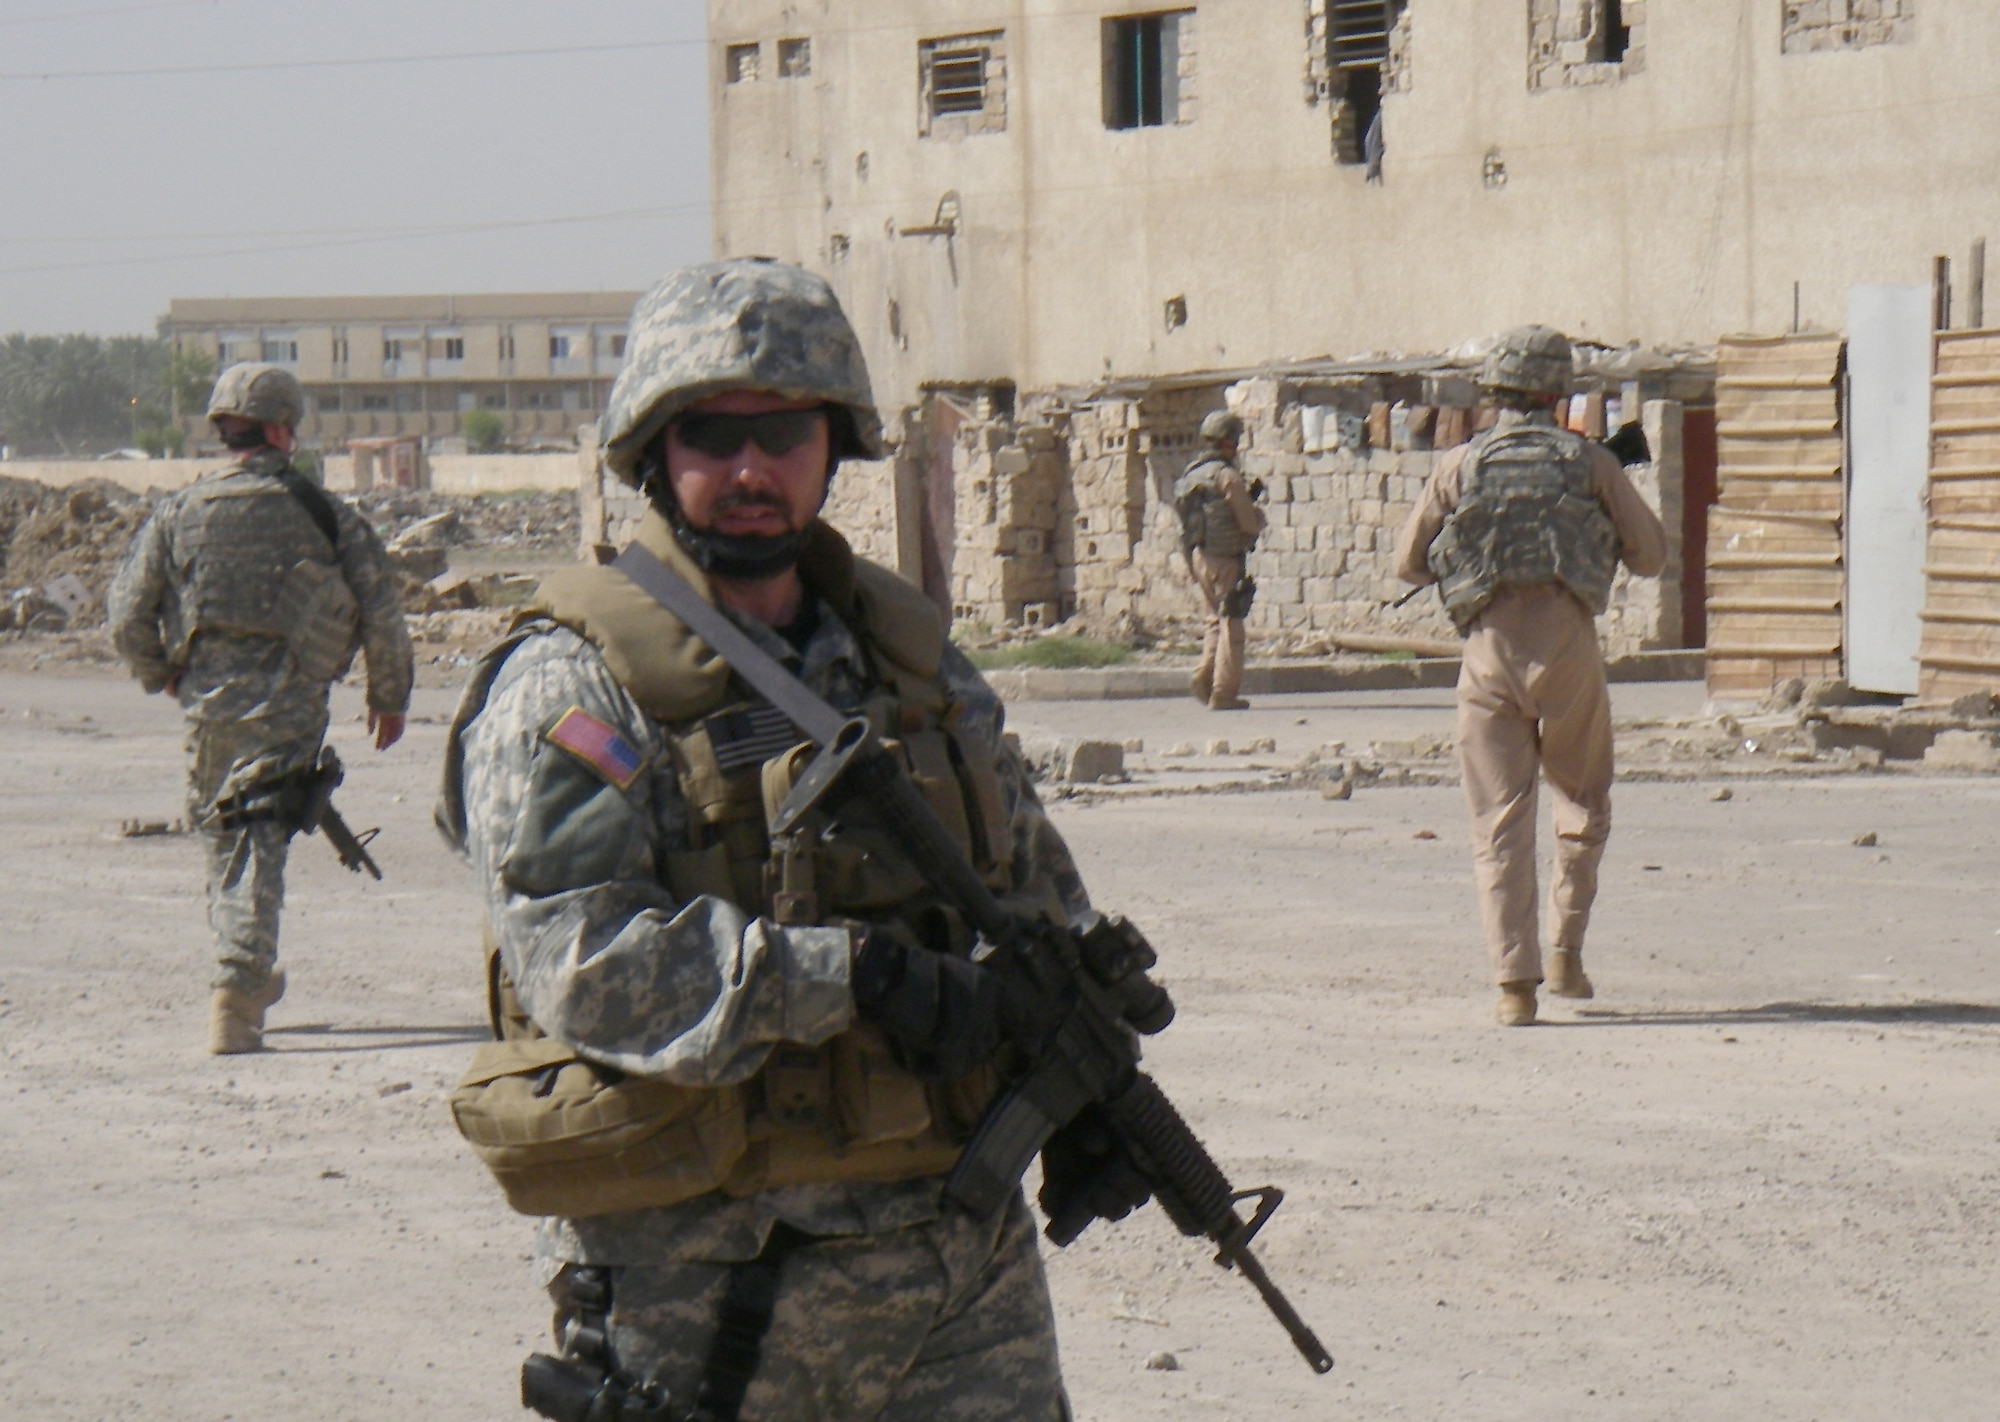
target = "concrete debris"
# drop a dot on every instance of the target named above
(1964, 750)
(1865, 841)
(1424, 834)
(1163, 1363)
(438, 530)
(1177, 751)
(1075, 762)
(1341, 789)
(1724, 793)
(1218, 746)
(1135, 745)
(148, 829)
(1264, 745)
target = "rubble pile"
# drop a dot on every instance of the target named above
(80, 531)
(533, 526)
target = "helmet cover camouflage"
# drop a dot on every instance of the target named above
(268, 394)
(1220, 426)
(1534, 360)
(743, 324)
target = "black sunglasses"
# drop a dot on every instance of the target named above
(776, 432)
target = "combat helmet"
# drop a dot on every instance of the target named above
(1218, 427)
(1533, 360)
(267, 394)
(743, 324)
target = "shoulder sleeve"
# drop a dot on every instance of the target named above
(1642, 539)
(136, 603)
(1434, 504)
(569, 863)
(385, 639)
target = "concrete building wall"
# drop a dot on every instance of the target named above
(1736, 148)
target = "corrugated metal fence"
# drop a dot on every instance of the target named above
(1961, 640)
(1775, 576)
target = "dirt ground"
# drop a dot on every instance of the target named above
(1759, 1176)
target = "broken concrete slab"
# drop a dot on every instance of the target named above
(1076, 762)
(1964, 750)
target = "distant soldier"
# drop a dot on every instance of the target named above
(1522, 529)
(245, 595)
(1220, 522)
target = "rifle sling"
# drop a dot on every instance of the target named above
(765, 673)
(314, 501)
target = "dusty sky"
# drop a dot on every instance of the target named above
(284, 169)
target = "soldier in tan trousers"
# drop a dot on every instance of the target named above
(1220, 522)
(1523, 528)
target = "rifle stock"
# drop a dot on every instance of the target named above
(1092, 1001)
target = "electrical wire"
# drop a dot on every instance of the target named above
(406, 235)
(277, 65)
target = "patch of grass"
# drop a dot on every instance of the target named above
(1058, 652)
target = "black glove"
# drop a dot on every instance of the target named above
(941, 1013)
(1087, 1175)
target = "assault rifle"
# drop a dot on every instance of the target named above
(299, 799)
(1079, 998)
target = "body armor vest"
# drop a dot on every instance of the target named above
(253, 563)
(845, 1110)
(1527, 514)
(1207, 521)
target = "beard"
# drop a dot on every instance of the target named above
(742, 557)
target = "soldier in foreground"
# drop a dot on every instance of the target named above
(1220, 522)
(245, 596)
(1522, 529)
(783, 1248)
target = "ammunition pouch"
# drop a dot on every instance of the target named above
(1236, 602)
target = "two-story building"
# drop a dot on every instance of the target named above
(386, 366)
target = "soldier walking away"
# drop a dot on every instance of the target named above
(1522, 529)
(1220, 522)
(244, 596)
(764, 1003)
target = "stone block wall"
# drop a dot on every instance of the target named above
(1572, 43)
(1811, 25)
(1105, 472)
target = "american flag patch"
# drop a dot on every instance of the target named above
(597, 745)
(750, 735)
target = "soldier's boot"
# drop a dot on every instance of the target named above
(1233, 703)
(1201, 686)
(236, 1017)
(1566, 975)
(1516, 1007)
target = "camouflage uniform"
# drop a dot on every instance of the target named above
(249, 711)
(898, 1306)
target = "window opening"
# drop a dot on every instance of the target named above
(958, 82)
(1142, 63)
(1358, 36)
(963, 83)
(1614, 34)
(740, 63)
(795, 58)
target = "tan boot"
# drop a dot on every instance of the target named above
(1201, 687)
(1516, 1007)
(1233, 703)
(1566, 975)
(235, 1023)
(236, 1017)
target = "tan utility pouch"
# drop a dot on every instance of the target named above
(565, 1138)
(319, 615)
